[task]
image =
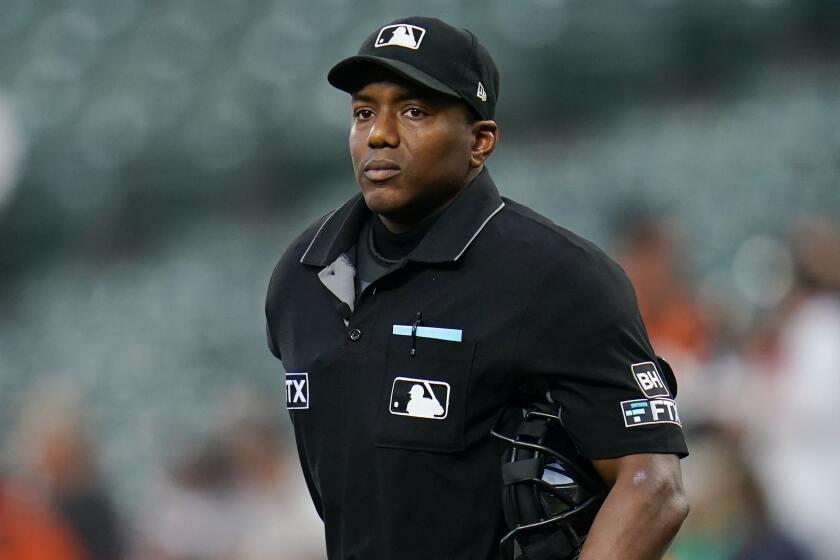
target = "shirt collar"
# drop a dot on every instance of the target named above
(448, 239)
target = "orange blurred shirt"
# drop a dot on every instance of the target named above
(30, 531)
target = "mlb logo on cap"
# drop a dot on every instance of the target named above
(400, 35)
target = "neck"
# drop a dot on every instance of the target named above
(395, 226)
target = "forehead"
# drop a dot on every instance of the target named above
(392, 91)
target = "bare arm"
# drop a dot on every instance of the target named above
(643, 510)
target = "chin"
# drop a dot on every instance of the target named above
(379, 202)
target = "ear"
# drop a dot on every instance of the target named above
(485, 137)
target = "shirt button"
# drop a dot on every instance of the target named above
(355, 335)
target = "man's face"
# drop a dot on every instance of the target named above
(410, 148)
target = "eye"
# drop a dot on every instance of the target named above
(362, 114)
(414, 113)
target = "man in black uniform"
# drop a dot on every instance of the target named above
(410, 316)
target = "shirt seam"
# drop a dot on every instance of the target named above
(320, 228)
(480, 228)
(574, 240)
(382, 259)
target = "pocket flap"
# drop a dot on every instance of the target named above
(424, 396)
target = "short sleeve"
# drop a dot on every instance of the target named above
(271, 345)
(583, 344)
(314, 492)
(281, 287)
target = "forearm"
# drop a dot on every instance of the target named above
(638, 520)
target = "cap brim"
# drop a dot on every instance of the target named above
(347, 75)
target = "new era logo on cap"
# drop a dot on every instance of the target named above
(400, 35)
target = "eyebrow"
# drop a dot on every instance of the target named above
(408, 94)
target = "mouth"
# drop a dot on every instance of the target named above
(381, 170)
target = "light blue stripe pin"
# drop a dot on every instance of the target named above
(452, 335)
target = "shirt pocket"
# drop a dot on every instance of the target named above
(423, 401)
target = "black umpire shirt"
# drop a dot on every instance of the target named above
(393, 392)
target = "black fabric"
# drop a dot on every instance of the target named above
(557, 546)
(379, 250)
(369, 268)
(668, 372)
(525, 469)
(91, 516)
(394, 246)
(338, 231)
(537, 308)
(534, 429)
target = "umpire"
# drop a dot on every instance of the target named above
(410, 316)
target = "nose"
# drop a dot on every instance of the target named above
(383, 132)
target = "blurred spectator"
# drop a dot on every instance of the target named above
(56, 462)
(279, 518)
(30, 530)
(728, 519)
(794, 429)
(11, 150)
(192, 514)
(238, 495)
(650, 253)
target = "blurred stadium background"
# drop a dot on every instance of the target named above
(156, 157)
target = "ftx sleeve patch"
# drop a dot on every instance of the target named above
(640, 412)
(297, 390)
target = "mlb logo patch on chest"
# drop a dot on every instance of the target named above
(419, 398)
(297, 390)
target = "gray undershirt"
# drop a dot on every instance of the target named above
(370, 265)
(379, 250)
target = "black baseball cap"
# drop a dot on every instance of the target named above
(431, 53)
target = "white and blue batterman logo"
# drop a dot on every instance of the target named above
(400, 35)
(297, 390)
(640, 412)
(649, 380)
(420, 398)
